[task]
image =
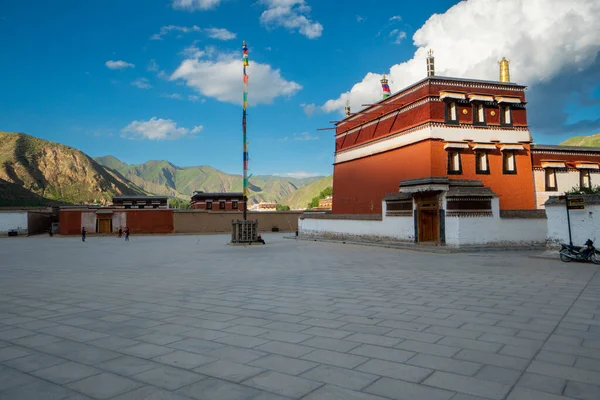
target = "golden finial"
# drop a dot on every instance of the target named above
(384, 79)
(430, 53)
(504, 70)
(348, 108)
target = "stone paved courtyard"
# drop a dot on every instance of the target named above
(187, 317)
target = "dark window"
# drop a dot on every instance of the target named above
(505, 115)
(209, 205)
(155, 206)
(551, 185)
(478, 114)
(509, 162)
(451, 112)
(128, 207)
(141, 206)
(482, 165)
(454, 163)
(234, 205)
(221, 205)
(585, 180)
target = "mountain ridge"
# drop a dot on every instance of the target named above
(583, 141)
(165, 178)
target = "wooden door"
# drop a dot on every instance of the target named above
(104, 225)
(428, 226)
(428, 212)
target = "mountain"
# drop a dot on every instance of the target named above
(300, 198)
(584, 141)
(164, 178)
(40, 172)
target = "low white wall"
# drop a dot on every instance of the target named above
(390, 228)
(585, 224)
(495, 231)
(13, 220)
(119, 220)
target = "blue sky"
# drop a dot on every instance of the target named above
(146, 80)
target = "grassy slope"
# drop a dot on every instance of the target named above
(162, 177)
(585, 141)
(304, 195)
(56, 172)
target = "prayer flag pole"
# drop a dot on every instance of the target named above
(245, 104)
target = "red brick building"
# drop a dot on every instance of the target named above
(217, 201)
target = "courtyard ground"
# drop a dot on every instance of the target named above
(188, 317)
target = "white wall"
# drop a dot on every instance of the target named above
(585, 224)
(394, 228)
(119, 220)
(88, 220)
(13, 220)
(495, 231)
(565, 181)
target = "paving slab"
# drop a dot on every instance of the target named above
(186, 317)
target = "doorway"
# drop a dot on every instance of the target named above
(104, 223)
(428, 218)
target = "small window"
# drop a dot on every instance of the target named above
(482, 165)
(234, 205)
(509, 162)
(141, 206)
(221, 205)
(585, 180)
(127, 207)
(478, 114)
(451, 112)
(505, 115)
(551, 180)
(155, 206)
(454, 164)
(209, 205)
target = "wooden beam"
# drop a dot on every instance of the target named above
(326, 129)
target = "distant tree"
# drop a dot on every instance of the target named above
(178, 203)
(328, 191)
(281, 207)
(585, 190)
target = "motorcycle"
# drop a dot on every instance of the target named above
(578, 253)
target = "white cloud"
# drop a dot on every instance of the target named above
(397, 35)
(547, 41)
(152, 66)
(174, 96)
(292, 15)
(193, 98)
(220, 77)
(298, 175)
(174, 28)
(220, 33)
(111, 64)
(195, 5)
(305, 136)
(360, 18)
(157, 129)
(142, 83)
(309, 109)
(396, 18)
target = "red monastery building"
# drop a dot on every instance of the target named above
(462, 129)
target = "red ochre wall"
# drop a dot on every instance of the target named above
(359, 185)
(515, 191)
(150, 221)
(70, 222)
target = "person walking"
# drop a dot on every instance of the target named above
(127, 234)
(120, 232)
(83, 234)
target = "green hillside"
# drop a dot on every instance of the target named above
(49, 172)
(300, 198)
(584, 141)
(164, 178)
